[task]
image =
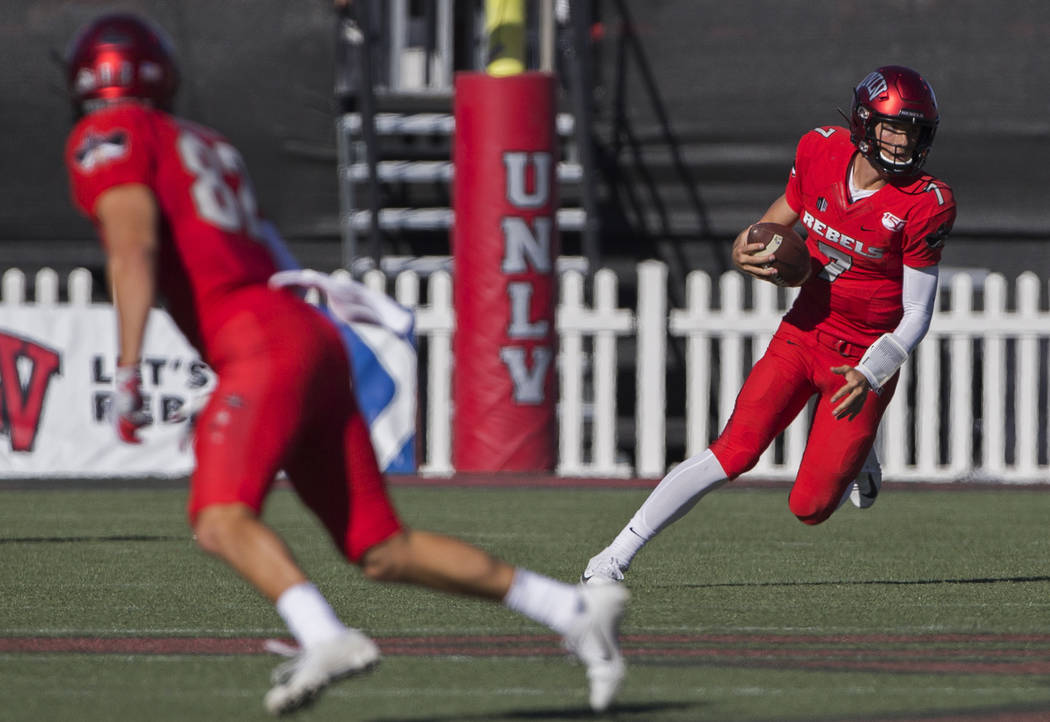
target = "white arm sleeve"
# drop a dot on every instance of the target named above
(919, 296)
(891, 350)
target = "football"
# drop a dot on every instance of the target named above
(792, 261)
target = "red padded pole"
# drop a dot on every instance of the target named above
(504, 244)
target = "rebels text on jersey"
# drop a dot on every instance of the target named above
(860, 247)
(209, 222)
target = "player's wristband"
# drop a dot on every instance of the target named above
(882, 359)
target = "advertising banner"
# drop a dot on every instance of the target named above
(56, 381)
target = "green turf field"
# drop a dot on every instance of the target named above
(931, 605)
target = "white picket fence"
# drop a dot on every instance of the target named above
(929, 434)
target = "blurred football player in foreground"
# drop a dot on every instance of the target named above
(876, 224)
(177, 217)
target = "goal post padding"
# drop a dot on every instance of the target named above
(504, 244)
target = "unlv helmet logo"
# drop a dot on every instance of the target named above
(26, 369)
(875, 84)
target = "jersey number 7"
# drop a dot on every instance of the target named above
(839, 263)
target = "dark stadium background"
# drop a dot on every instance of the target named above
(750, 76)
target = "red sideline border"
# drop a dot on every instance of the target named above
(513, 480)
(498, 480)
(1013, 653)
(932, 654)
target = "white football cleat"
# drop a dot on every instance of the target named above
(604, 568)
(297, 682)
(594, 640)
(865, 488)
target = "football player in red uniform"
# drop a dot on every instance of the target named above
(177, 217)
(876, 224)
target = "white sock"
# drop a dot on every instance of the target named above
(629, 541)
(308, 615)
(675, 495)
(544, 600)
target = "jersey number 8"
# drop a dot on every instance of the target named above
(216, 201)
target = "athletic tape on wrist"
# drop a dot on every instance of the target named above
(127, 373)
(882, 359)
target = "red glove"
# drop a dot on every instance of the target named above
(129, 407)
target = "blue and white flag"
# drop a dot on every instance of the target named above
(379, 335)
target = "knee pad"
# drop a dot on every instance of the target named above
(734, 461)
(809, 510)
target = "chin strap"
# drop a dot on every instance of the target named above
(882, 359)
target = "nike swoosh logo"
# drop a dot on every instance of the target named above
(585, 578)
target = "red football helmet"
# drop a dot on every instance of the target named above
(117, 57)
(899, 95)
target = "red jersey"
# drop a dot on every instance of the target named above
(209, 224)
(861, 246)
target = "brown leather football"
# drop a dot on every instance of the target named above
(792, 259)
